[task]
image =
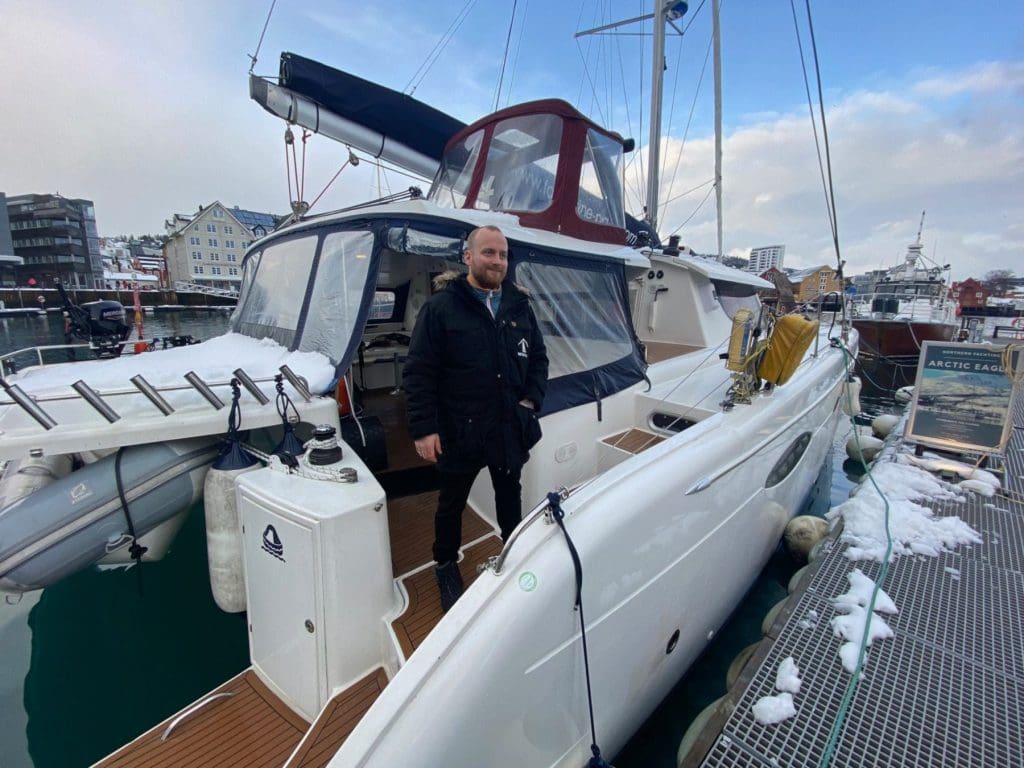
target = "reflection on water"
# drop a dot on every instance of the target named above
(46, 330)
(116, 651)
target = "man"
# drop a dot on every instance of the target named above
(475, 379)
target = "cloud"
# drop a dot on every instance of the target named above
(892, 156)
(985, 77)
(144, 109)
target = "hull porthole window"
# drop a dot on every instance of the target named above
(789, 460)
(672, 642)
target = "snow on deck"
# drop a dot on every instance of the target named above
(214, 360)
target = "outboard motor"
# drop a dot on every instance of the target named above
(101, 323)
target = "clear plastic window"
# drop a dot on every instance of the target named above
(277, 283)
(456, 172)
(581, 315)
(382, 307)
(600, 198)
(337, 293)
(521, 162)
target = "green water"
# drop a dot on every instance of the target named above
(107, 661)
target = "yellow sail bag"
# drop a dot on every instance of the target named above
(790, 339)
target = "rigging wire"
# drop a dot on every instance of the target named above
(504, 58)
(810, 107)
(689, 122)
(593, 88)
(256, 54)
(515, 58)
(691, 189)
(638, 179)
(333, 178)
(579, 24)
(824, 135)
(640, 132)
(695, 210)
(438, 49)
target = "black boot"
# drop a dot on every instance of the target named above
(449, 584)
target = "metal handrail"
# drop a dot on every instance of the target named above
(133, 391)
(39, 350)
(192, 710)
(538, 512)
(30, 404)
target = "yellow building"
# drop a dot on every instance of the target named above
(809, 284)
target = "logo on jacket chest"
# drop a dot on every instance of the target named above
(524, 348)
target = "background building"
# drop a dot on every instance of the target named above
(206, 249)
(764, 258)
(864, 284)
(782, 295)
(969, 293)
(57, 238)
(809, 284)
(8, 261)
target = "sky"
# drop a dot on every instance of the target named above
(143, 108)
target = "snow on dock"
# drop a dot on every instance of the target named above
(941, 682)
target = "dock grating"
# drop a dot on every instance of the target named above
(946, 690)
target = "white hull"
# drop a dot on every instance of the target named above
(500, 679)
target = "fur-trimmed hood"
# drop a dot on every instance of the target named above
(443, 280)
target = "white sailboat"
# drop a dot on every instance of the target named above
(672, 471)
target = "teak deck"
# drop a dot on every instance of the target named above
(253, 728)
(633, 440)
(411, 521)
(658, 351)
(411, 528)
(424, 610)
(337, 721)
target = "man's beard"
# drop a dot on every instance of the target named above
(488, 280)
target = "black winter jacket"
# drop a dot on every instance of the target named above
(466, 373)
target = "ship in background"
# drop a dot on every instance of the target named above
(908, 305)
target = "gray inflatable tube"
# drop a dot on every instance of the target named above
(74, 521)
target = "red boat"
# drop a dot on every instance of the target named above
(909, 306)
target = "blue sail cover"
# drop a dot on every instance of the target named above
(396, 115)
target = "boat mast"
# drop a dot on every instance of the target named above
(657, 87)
(716, 37)
(665, 12)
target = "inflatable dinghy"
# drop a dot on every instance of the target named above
(76, 520)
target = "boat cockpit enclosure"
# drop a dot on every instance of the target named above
(544, 162)
(352, 289)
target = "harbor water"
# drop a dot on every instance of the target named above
(93, 661)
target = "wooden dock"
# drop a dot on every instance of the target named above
(946, 690)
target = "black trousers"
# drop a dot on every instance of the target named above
(454, 487)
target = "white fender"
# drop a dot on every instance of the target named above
(869, 445)
(224, 539)
(851, 397)
(802, 533)
(884, 424)
(904, 395)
